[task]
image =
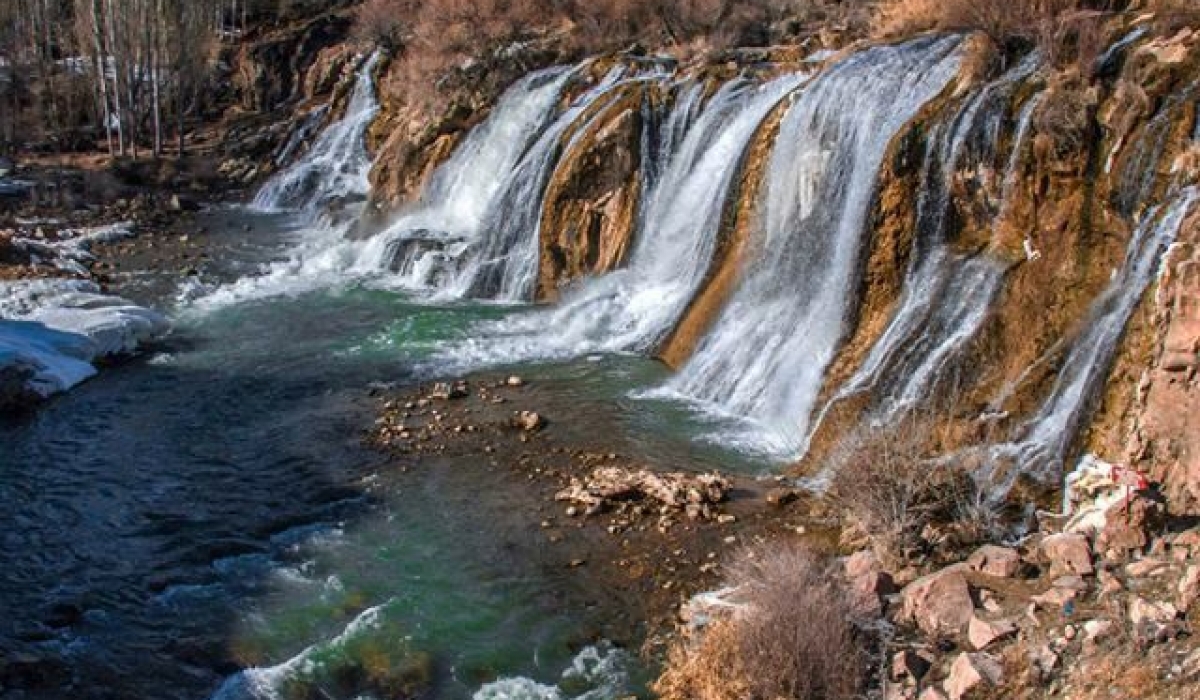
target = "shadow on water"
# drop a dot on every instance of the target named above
(126, 505)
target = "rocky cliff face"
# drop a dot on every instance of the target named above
(1010, 230)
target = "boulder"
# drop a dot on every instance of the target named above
(1128, 524)
(981, 633)
(1096, 631)
(1056, 598)
(1152, 622)
(781, 496)
(444, 391)
(1067, 553)
(530, 422)
(971, 671)
(939, 603)
(992, 560)
(1044, 659)
(910, 665)
(869, 583)
(181, 203)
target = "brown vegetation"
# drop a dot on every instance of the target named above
(892, 491)
(431, 37)
(789, 636)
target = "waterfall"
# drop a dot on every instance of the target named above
(504, 265)
(438, 227)
(428, 246)
(947, 296)
(632, 309)
(766, 356)
(1046, 438)
(335, 168)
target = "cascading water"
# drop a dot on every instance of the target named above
(502, 262)
(946, 296)
(766, 355)
(335, 168)
(459, 195)
(1048, 436)
(428, 247)
(632, 309)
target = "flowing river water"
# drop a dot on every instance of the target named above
(206, 521)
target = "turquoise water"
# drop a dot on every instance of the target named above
(206, 521)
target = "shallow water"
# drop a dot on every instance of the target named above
(210, 508)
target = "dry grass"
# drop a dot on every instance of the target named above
(790, 638)
(890, 487)
(1069, 32)
(433, 37)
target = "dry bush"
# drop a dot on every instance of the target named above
(1173, 15)
(789, 638)
(1029, 20)
(1065, 117)
(890, 487)
(383, 22)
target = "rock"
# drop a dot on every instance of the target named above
(1189, 588)
(939, 603)
(181, 203)
(695, 494)
(1144, 567)
(1044, 659)
(530, 422)
(1098, 630)
(869, 583)
(910, 664)
(1109, 585)
(995, 561)
(1190, 668)
(1152, 622)
(1128, 523)
(780, 496)
(1067, 554)
(1056, 599)
(982, 633)
(445, 391)
(1169, 50)
(970, 671)
(1073, 582)
(1188, 542)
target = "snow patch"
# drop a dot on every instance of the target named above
(52, 330)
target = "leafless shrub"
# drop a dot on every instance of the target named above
(383, 22)
(892, 487)
(790, 637)
(1067, 31)
(1173, 15)
(1064, 117)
